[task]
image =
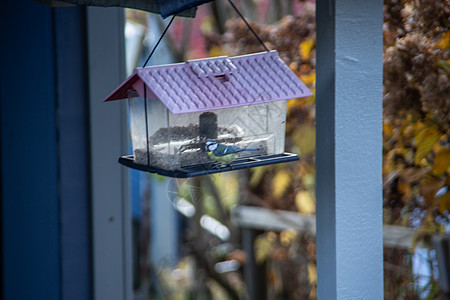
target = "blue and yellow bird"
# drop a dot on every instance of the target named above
(222, 153)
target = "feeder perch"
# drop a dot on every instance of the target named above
(174, 109)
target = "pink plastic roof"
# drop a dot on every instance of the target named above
(215, 83)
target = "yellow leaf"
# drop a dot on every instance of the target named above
(425, 141)
(287, 236)
(257, 175)
(263, 245)
(280, 183)
(306, 47)
(444, 202)
(305, 202)
(445, 42)
(308, 181)
(312, 274)
(294, 104)
(442, 161)
(304, 138)
(387, 129)
(207, 25)
(216, 51)
(421, 132)
(309, 78)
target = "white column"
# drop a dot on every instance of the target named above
(349, 149)
(108, 123)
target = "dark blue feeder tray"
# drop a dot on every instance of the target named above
(212, 168)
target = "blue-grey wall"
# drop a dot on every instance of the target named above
(44, 159)
(73, 144)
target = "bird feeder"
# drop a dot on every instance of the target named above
(241, 101)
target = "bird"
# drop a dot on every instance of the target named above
(222, 153)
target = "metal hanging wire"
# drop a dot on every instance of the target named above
(159, 41)
(248, 25)
(235, 9)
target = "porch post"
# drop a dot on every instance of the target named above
(111, 225)
(349, 149)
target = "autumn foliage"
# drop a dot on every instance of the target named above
(289, 256)
(416, 99)
(416, 133)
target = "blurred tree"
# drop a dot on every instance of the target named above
(288, 256)
(416, 132)
(416, 109)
